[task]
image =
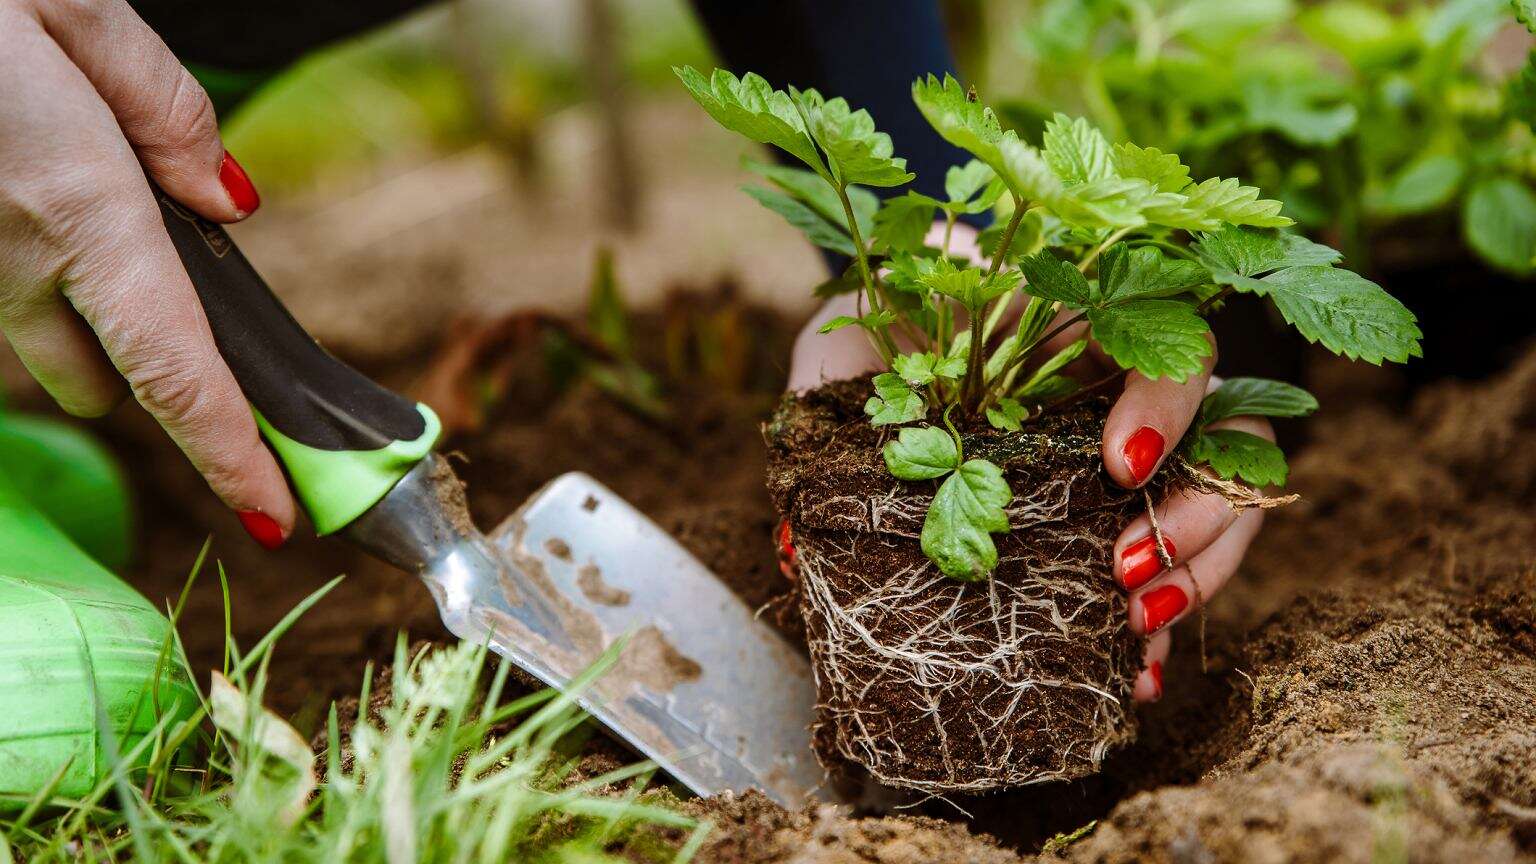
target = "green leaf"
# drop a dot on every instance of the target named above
(1298, 110)
(972, 287)
(1115, 202)
(902, 222)
(1520, 95)
(606, 316)
(1154, 337)
(1076, 151)
(846, 282)
(920, 369)
(810, 189)
(870, 321)
(1142, 273)
(1231, 202)
(963, 121)
(1234, 252)
(894, 401)
(751, 107)
(921, 454)
(1499, 218)
(1047, 276)
(817, 229)
(1345, 312)
(1423, 185)
(1232, 453)
(1162, 170)
(963, 182)
(1049, 368)
(1260, 397)
(1009, 415)
(1525, 13)
(964, 514)
(857, 152)
(1047, 389)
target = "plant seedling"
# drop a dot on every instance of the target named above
(1118, 238)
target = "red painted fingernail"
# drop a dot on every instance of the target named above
(1156, 671)
(1142, 451)
(786, 551)
(262, 528)
(1140, 561)
(242, 193)
(1161, 605)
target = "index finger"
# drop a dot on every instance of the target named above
(1148, 419)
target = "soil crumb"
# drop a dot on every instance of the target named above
(590, 580)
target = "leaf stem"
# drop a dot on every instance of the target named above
(1082, 266)
(1024, 354)
(971, 391)
(887, 346)
(1007, 239)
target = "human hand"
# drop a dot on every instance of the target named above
(91, 289)
(1204, 536)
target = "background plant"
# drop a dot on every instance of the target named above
(1119, 238)
(1360, 113)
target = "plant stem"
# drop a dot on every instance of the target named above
(1007, 240)
(1024, 354)
(970, 391)
(886, 346)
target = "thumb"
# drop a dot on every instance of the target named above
(163, 111)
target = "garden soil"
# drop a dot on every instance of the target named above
(1369, 690)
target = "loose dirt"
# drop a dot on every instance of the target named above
(1371, 687)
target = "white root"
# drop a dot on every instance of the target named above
(1035, 658)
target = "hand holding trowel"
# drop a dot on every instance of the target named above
(717, 698)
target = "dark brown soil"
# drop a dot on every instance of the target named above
(1371, 691)
(934, 684)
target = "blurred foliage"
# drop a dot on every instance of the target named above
(408, 89)
(1359, 114)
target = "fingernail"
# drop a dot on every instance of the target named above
(1156, 671)
(262, 528)
(242, 193)
(1161, 605)
(1142, 451)
(1140, 561)
(786, 551)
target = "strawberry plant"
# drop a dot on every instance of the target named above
(1119, 238)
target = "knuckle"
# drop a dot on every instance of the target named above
(171, 386)
(186, 119)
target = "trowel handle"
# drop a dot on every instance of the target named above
(344, 439)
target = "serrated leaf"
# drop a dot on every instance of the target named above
(1260, 397)
(1076, 151)
(922, 453)
(1127, 273)
(1233, 453)
(858, 153)
(894, 401)
(1423, 185)
(970, 285)
(922, 368)
(966, 123)
(966, 511)
(1047, 276)
(750, 106)
(1525, 13)
(870, 321)
(813, 225)
(902, 222)
(1345, 312)
(1114, 202)
(1255, 251)
(1226, 200)
(1155, 337)
(1009, 415)
(1499, 218)
(1163, 170)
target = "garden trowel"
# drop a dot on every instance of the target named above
(716, 697)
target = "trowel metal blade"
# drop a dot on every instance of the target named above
(717, 698)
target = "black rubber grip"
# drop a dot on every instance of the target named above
(299, 388)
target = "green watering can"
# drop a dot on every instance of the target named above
(78, 646)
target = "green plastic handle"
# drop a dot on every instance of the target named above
(344, 440)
